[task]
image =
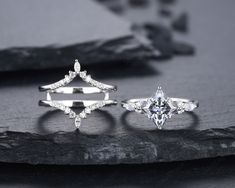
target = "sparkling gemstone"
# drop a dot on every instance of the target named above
(159, 108)
(72, 74)
(72, 114)
(88, 110)
(82, 114)
(62, 107)
(67, 110)
(77, 122)
(159, 94)
(159, 120)
(189, 106)
(82, 74)
(129, 107)
(88, 78)
(77, 66)
(67, 78)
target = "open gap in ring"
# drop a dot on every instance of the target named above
(95, 96)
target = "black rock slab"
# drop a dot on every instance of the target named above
(73, 148)
(182, 48)
(45, 34)
(180, 23)
(212, 132)
(161, 38)
(168, 2)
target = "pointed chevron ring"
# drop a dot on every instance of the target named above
(159, 108)
(67, 106)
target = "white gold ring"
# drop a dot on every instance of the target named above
(67, 105)
(159, 108)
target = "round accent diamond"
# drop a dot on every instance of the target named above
(82, 114)
(72, 114)
(88, 110)
(88, 78)
(82, 74)
(67, 78)
(67, 110)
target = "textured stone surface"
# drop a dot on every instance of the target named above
(167, 1)
(182, 48)
(161, 38)
(210, 131)
(50, 34)
(205, 173)
(140, 147)
(180, 23)
(154, 27)
(211, 72)
(121, 49)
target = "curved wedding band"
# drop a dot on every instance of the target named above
(159, 108)
(67, 105)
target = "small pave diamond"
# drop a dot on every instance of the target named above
(72, 74)
(129, 107)
(82, 74)
(88, 78)
(87, 110)
(67, 110)
(189, 106)
(72, 114)
(82, 114)
(67, 78)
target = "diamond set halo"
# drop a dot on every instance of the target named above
(159, 107)
(67, 105)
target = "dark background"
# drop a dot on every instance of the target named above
(207, 76)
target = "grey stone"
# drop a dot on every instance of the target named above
(50, 34)
(180, 23)
(74, 148)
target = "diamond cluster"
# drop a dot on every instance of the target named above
(83, 75)
(82, 115)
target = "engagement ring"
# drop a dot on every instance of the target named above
(159, 107)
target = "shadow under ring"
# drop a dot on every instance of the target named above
(42, 126)
(128, 125)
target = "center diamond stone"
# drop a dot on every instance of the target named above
(159, 108)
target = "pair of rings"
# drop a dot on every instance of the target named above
(158, 108)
